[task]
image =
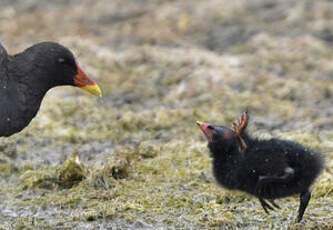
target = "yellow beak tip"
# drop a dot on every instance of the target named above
(93, 89)
(199, 122)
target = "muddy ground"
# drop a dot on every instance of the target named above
(135, 158)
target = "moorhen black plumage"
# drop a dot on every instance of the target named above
(267, 169)
(26, 77)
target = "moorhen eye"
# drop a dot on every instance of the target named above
(61, 60)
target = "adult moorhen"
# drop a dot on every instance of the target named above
(26, 77)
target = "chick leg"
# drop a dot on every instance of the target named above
(304, 200)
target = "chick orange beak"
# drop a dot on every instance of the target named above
(86, 83)
(204, 128)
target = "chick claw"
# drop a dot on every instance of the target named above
(239, 126)
(265, 205)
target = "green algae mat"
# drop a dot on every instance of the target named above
(135, 157)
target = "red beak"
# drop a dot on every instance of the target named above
(207, 131)
(83, 81)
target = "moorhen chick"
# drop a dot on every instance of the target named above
(267, 169)
(26, 77)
